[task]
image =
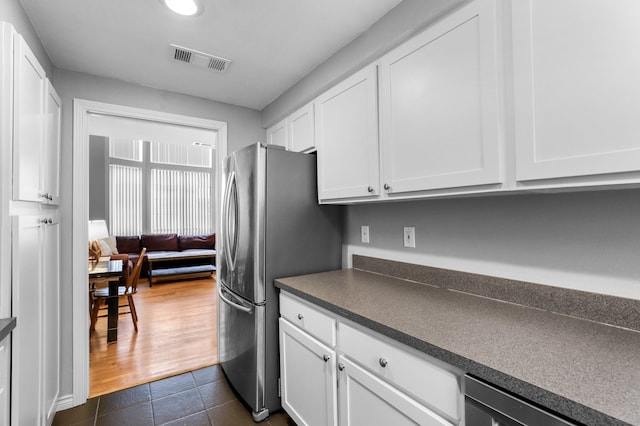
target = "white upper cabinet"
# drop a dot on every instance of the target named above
(296, 132)
(347, 138)
(277, 134)
(576, 87)
(51, 150)
(439, 105)
(29, 88)
(301, 130)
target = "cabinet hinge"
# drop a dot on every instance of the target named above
(279, 387)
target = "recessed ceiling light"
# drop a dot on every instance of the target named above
(184, 7)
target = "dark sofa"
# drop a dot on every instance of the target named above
(165, 243)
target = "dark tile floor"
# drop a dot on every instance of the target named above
(200, 397)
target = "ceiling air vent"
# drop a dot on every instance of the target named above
(200, 59)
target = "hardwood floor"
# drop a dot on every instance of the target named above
(177, 333)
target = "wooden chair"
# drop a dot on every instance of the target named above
(101, 295)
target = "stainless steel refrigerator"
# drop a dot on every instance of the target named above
(272, 227)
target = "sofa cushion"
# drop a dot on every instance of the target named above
(160, 242)
(188, 242)
(128, 244)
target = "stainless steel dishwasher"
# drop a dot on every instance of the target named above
(486, 405)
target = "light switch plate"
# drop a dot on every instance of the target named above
(364, 234)
(410, 236)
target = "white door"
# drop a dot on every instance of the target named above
(576, 87)
(29, 81)
(439, 100)
(51, 317)
(301, 131)
(51, 150)
(308, 378)
(366, 400)
(277, 134)
(347, 138)
(27, 297)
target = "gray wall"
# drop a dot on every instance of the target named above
(98, 197)
(243, 128)
(587, 240)
(406, 19)
(11, 11)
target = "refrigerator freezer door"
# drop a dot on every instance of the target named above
(241, 348)
(241, 266)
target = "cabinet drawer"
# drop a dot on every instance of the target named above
(308, 318)
(434, 386)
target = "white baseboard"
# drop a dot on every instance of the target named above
(65, 402)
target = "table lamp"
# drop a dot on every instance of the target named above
(97, 229)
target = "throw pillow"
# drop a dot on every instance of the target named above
(108, 246)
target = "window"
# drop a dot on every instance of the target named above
(160, 188)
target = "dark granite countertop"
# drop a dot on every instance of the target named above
(584, 370)
(6, 325)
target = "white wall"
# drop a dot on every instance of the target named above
(243, 128)
(11, 11)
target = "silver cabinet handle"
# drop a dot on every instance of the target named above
(386, 187)
(45, 221)
(300, 316)
(340, 366)
(383, 362)
(326, 357)
(370, 189)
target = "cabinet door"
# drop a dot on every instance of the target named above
(51, 150)
(27, 297)
(308, 377)
(347, 138)
(51, 317)
(277, 134)
(5, 383)
(576, 87)
(301, 130)
(439, 105)
(28, 116)
(367, 400)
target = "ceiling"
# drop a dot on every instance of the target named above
(272, 43)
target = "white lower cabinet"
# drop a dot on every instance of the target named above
(35, 361)
(374, 380)
(308, 377)
(367, 400)
(5, 380)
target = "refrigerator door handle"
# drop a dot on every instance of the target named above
(231, 223)
(230, 303)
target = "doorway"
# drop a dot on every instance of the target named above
(82, 110)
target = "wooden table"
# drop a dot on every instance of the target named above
(109, 269)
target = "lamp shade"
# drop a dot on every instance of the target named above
(98, 229)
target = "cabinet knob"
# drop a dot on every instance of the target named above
(340, 366)
(370, 189)
(300, 316)
(49, 221)
(386, 187)
(45, 221)
(326, 357)
(383, 362)
(50, 197)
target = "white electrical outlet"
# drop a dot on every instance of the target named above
(364, 233)
(410, 236)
